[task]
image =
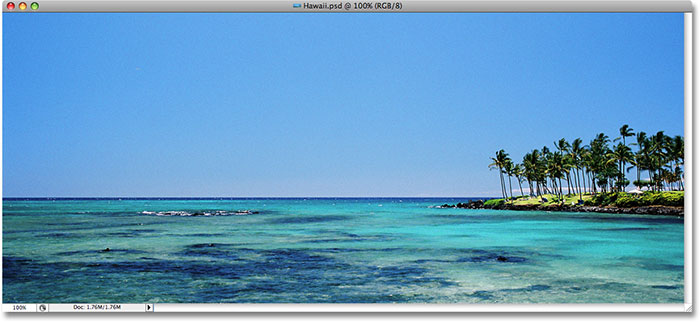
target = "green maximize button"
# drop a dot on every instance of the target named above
(35, 6)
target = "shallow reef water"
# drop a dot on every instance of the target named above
(345, 250)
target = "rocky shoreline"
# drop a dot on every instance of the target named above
(643, 210)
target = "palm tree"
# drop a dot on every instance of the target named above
(563, 147)
(596, 167)
(576, 153)
(586, 164)
(625, 131)
(657, 155)
(620, 154)
(676, 148)
(596, 160)
(499, 162)
(678, 176)
(531, 163)
(639, 157)
(544, 160)
(519, 171)
(508, 168)
(555, 171)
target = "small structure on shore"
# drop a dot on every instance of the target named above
(636, 191)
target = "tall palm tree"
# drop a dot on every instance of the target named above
(508, 168)
(639, 157)
(596, 160)
(531, 163)
(576, 153)
(519, 171)
(676, 147)
(555, 171)
(625, 131)
(657, 156)
(544, 160)
(498, 162)
(620, 154)
(563, 147)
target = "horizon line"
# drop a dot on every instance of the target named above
(256, 197)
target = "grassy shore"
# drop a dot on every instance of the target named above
(614, 199)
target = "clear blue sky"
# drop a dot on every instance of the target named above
(318, 104)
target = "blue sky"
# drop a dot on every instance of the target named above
(319, 104)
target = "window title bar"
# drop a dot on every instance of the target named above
(345, 6)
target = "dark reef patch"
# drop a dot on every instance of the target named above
(666, 287)
(214, 251)
(490, 255)
(492, 258)
(482, 295)
(284, 275)
(59, 235)
(15, 268)
(654, 266)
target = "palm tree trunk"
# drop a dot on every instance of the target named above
(503, 190)
(578, 185)
(510, 185)
(521, 186)
(587, 178)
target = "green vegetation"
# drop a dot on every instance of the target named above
(545, 200)
(615, 199)
(493, 202)
(596, 173)
(622, 199)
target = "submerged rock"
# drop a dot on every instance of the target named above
(475, 204)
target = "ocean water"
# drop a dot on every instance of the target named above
(332, 250)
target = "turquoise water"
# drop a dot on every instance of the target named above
(333, 250)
